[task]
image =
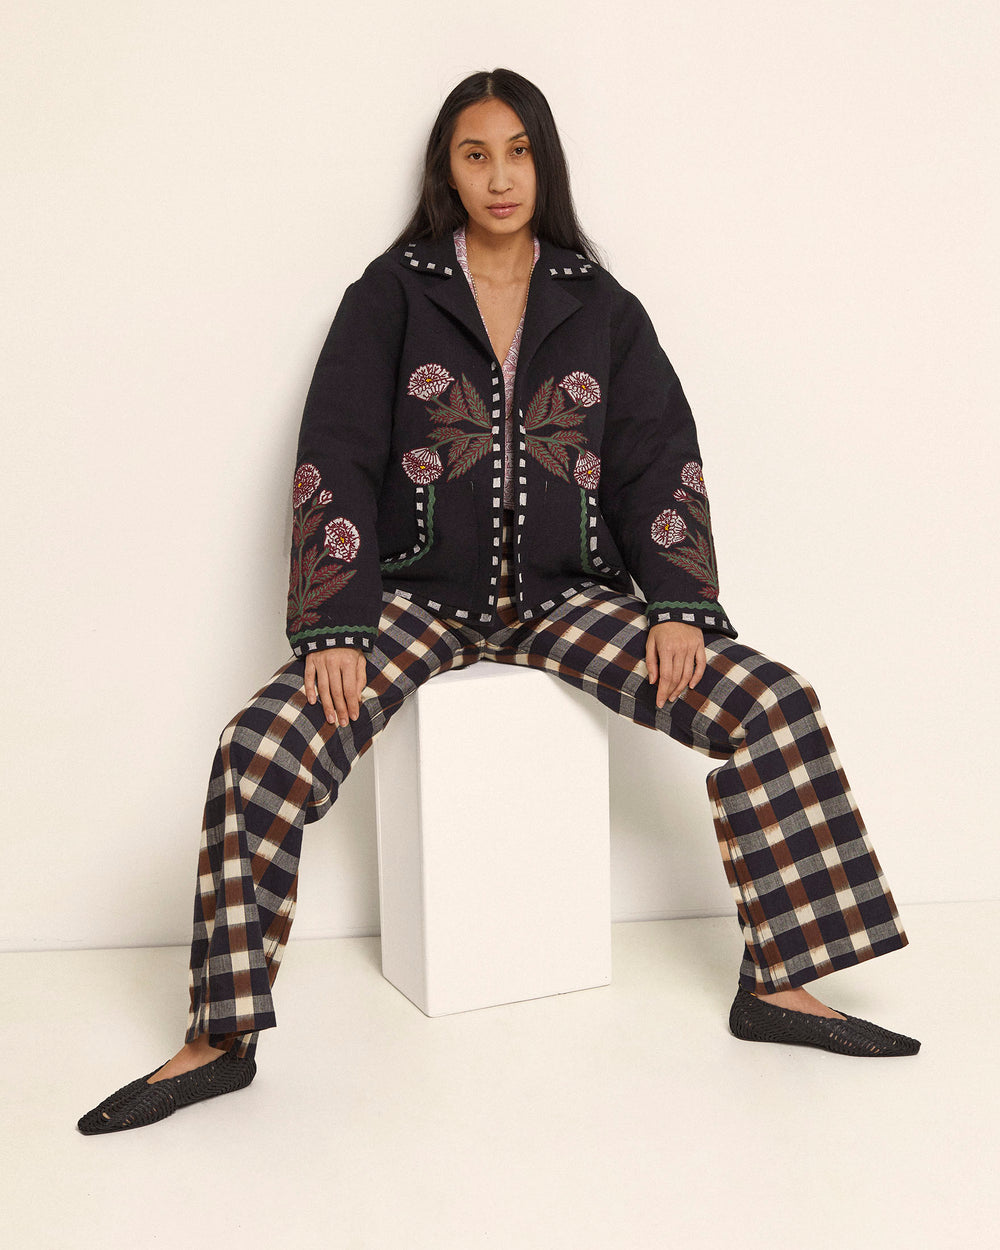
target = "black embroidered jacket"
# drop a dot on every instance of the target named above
(399, 484)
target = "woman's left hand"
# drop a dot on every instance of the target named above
(675, 657)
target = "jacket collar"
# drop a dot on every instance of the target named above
(437, 257)
(549, 300)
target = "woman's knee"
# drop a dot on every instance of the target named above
(790, 692)
(279, 704)
(764, 682)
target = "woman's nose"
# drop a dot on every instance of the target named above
(500, 180)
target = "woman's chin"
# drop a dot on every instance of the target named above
(504, 226)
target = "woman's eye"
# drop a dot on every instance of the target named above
(472, 155)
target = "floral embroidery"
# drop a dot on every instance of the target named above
(422, 465)
(691, 548)
(582, 388)
(310, 584)
(547, 407)
(691, 475)
(429, 381)
(304, 487)
(668, 528)
(587, 471)
(342, 539)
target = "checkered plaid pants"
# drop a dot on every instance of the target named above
(810, 893)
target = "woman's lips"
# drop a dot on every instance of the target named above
(503, 210)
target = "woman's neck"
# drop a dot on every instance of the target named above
(500, 258)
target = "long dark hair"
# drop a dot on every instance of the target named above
(440, 211)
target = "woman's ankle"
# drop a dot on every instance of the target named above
(203, 1045)
(190, 1056)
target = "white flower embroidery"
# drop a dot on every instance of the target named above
(581, 388)
(691, 476)
(429, 381)
(422, 465)
(307, 479)
(668, 528)
(587, 470)
(342, 538)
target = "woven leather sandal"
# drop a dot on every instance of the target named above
(756, 1021)
(139, 1103)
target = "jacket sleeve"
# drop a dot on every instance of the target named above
(335, 585)
(652, 492)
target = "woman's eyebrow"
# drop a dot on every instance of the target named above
(482, 142)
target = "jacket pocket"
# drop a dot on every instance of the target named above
(423, 504)
(598, 553)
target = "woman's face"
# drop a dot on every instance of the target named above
(492, 165)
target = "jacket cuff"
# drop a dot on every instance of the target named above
(307, 641)
(707, 616)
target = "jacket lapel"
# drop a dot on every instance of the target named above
(549, 302)
(437, 259)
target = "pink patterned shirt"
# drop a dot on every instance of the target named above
(509, 369)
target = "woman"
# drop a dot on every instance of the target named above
(494, 444)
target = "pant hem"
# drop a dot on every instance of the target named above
(757, 980)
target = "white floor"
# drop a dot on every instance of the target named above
(624, 1116)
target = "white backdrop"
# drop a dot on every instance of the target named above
(803, 195)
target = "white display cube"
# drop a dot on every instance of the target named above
(491, 787)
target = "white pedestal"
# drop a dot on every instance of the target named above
(491, 787)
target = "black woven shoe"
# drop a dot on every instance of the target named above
(139, 1103)
(96, 1121)
(756, 1021)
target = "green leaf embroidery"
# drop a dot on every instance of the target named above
(547, 458)
(537, 408)
(478, 445)
(478, 411)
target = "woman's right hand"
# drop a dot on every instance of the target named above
(337, 677)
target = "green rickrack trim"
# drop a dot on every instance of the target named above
(671, 603)
(390, 566)
(335, 629)
(584, 555)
